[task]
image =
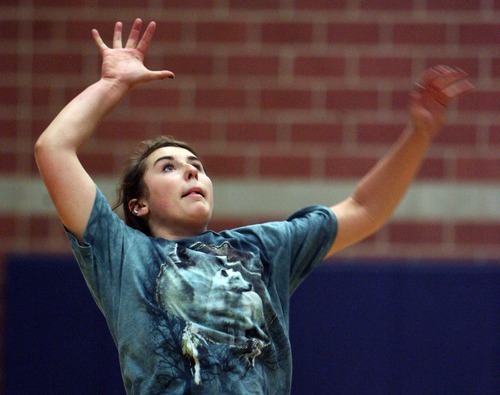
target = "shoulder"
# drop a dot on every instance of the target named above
(315, 212)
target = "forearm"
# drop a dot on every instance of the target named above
(380, 191)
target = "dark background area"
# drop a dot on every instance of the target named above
(357, 327)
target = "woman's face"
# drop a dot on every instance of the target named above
(180, 198)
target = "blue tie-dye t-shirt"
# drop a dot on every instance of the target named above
(207, 314)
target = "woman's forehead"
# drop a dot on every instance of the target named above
(170, 152)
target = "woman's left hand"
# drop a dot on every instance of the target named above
(437, 88)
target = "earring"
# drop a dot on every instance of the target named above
(135, 212)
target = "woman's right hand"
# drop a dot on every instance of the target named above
(125, 65)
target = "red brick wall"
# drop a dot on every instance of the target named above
(294, 89)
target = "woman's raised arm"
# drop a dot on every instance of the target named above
(380, 191)
(70, 187)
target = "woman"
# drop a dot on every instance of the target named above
(191, 310)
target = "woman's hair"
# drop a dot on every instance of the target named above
(132, 184)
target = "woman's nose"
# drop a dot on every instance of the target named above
(191, 171)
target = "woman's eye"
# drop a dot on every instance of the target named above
(168, 167)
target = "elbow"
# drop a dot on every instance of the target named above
(41, 149)
(39, 146)
(46, 152)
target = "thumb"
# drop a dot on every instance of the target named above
(161, 75)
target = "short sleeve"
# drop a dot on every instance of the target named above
(312, 232)
(105, 243)
(293, 247)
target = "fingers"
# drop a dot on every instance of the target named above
(134, 35)
(98, 40)
(117, 35)
(442, 83)
(133, 41)
(147, 37)
(457, 88)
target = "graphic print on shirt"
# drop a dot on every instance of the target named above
(216, 291)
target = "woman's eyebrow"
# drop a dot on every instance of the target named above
(191, 158)
(162, 158)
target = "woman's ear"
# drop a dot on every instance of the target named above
(137, 208)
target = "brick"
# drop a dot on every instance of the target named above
(166, 98)
(81, 30)
(285, 166)
(390, 67)
(220, 98)
(8, 162)
(7, 230)
(315, 66)
(218, 32)
(39, 226)
(251, 132)
(320, 5)
(480, 101)
(493, 135)
(495, 67)
(117, 4)
(97, 163)
(386, 5)
(286, 33)
(189, 64)
(353, 33)
(224, 165)
(410, 232)
(285, 99)
(9, 63)
(41, 97)
(477, 233)
(252, 65)
(348, 166)
(479, 168)
(400, 100)
(166, 32)
(457, 135)
(189, 131)
(9, 96)
(45, 30)
(10, 30)
(58, 3)
(446, 5)
(433, 168)
(57, 63)
(346, 99)
(324, 134)
(188, 4)
(254, 5)
(8, 128)
(375, 133)
(419, 33)
(479, 34)
(120, 130)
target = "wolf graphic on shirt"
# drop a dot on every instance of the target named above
(215, 290)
